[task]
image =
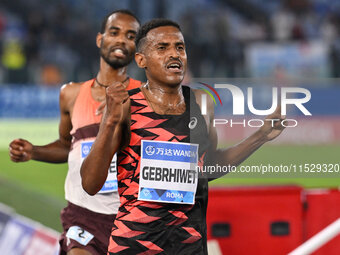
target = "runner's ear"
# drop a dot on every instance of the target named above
(140, 60)
(99, 39)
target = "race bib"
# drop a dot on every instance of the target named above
(110, 184)
(168, 172)
(80, 235)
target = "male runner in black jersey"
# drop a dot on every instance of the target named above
(163, 200)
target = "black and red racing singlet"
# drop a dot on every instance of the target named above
(157, 227)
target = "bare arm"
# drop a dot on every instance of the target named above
(113, 135)
(236, 154)
(21, 150)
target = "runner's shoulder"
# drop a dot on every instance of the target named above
(68, 95)
(70, 87)
(70, 90)
(198, 95)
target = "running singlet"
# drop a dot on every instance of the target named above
(85, 126)
(165, 219)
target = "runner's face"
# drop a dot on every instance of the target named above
(117, 45)
(165, 55)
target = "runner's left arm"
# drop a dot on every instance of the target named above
(238, 153)
(235, 155)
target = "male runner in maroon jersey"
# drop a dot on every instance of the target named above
(163, 194)
(87, 221)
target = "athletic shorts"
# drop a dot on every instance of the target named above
(85, 229)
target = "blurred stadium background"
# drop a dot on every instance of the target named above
(258, 43)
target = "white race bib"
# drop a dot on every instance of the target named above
(110, 184)
(80, 235)
(168, 172)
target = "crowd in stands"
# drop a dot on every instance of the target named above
(52, 42)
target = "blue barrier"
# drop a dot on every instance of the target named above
(29, 102)
(43, 102)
